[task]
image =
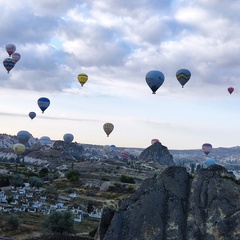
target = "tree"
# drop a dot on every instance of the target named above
(59, 225)
(126, 179)
(73, 175)
(12, 221)
(43, 172)
(35, 182)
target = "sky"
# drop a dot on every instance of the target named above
(116, 42)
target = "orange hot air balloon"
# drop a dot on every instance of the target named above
(108, 128)
(230, 90)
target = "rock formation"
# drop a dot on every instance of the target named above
(158, 153)
(177, 205)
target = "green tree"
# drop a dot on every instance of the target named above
(58, 225)
(73, 175)
(43, 172)
(17, 181)
(35, 182)
(12, 221)
(126, 179)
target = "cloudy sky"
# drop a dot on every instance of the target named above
(116, 42)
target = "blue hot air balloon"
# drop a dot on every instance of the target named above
(154, 80)
(23, 136)
(32, 115)
(68, 137)
(44, 140)
(43, 103)
(210, 161)
(183, 75)
(8, 63)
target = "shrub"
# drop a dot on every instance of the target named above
(126, 179)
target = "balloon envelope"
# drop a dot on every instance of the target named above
(154, 140)
(19, 148)
(154, 80)
(43, 103)
(207, 148)
(8, 63)
(44, 140)
(10, 48)
(82, 78)
(210, 161)
(32, 115)
(230, 90)
(183, 75)
(125, 154)
(68, 137)
(23, 136)
(108, 128)
(16, 57)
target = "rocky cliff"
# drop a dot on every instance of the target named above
(158, 153)
(177, 205)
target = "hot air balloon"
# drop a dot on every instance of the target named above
(183, 75)
(44, 140)
(8, 63)
(43, 103)
(68, 137)
(16, 57)
(207, 148)
(230, 90)
(210, 161)
(125, 155)
(32, 115)
(23, 136)
(108, 128)
(19, 148)
(107, 148)
(154, 140)
(82, 78)
(154, 80)
(10, 48)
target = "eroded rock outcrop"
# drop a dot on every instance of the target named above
(177, 205)
(158, 153)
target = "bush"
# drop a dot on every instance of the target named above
(73, 175)
(59, 225)
(35, 182)
(126, 179)
(12, 221)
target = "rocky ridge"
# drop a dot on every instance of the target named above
(177, 205)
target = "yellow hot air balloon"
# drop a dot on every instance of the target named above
(19, 148)
(82, 78)
(108, 128)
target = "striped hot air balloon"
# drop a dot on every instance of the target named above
(183, 75)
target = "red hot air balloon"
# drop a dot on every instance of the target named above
(230, 90)
(207, 148)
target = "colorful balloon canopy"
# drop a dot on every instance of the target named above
(16, 57)
(154, 80)
(108, 128)
(183, 75)
(10, 48)
(23, 136)
(68, 137)
(230, 90)
(32, 115)
(207, 148)
(154, 140)
(43, 103)
(125, 155)
(44, 140)
(210, 161)
(19, 148)
(82, 78)
(9, 64)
